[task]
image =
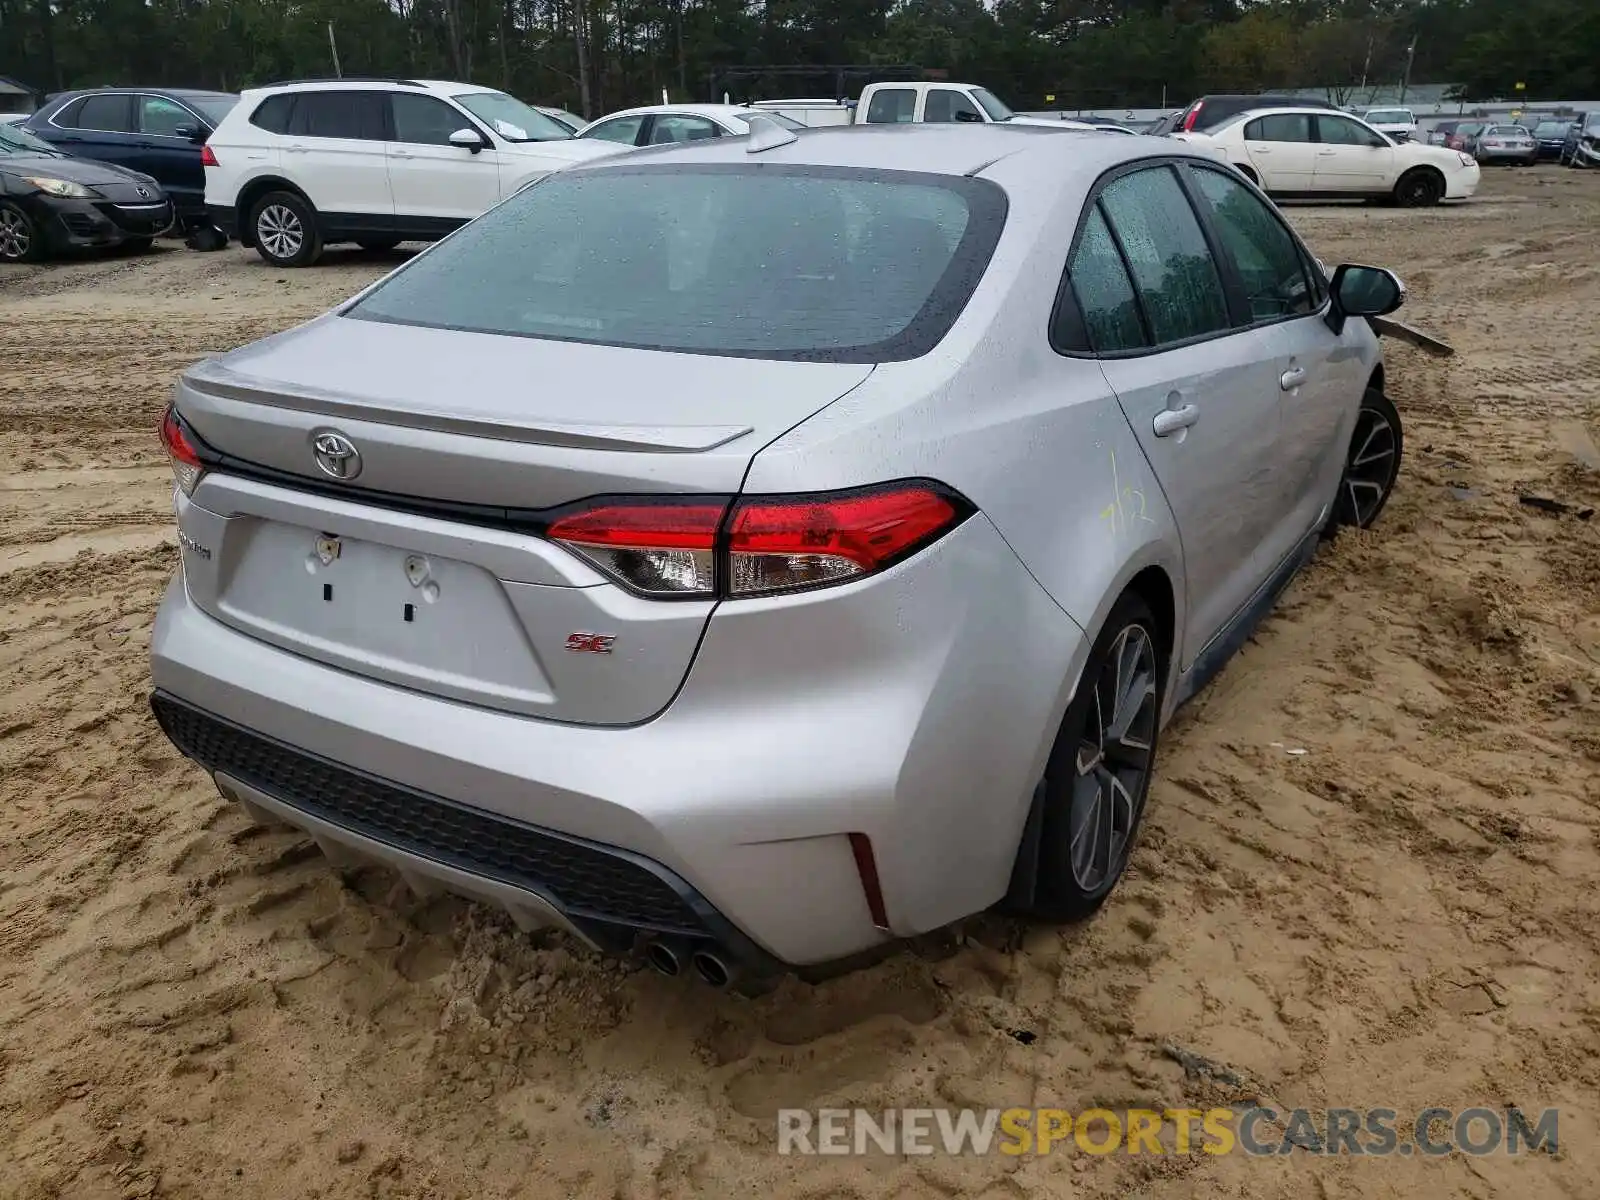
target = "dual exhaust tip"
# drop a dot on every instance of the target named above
(711, 967)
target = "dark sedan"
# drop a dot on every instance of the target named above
(52, 201)
(157, 131)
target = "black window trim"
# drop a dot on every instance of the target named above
(988, 209)
(1068, 310)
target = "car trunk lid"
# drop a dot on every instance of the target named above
(423, 566)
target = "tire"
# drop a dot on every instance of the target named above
(284, 226)
(1062, 877)
(378, 245)
(20, 239)
(1371, 465)
(1420, 187)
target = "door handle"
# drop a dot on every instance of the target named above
(1170, 420)
(297, 149)
(1260, 150)
(400, 154)
(1292, 378)
(1326, 153)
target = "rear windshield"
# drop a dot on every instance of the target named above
(1389, 116)
(1506, 131)
(757, 261)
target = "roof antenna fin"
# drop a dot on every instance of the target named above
(767, 134)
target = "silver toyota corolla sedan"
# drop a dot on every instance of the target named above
(751, 553)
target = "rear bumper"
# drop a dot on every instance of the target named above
(916, 708)
(225, 218)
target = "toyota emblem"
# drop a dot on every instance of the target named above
(143, 191)
(336, 455)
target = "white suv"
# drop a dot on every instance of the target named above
(376, 162)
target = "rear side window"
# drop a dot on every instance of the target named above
(273, 113)
(108, 114)
(769, 261)
(1265, 253)
(1173, 271)
(892, 106)
(359, 116)
(1104, 293)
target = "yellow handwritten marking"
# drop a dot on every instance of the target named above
(1122, 499)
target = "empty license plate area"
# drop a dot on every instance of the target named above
(420, 620)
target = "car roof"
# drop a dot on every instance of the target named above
(953, 150)
(181, 93)
(699, 110)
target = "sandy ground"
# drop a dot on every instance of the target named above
(1403, 915)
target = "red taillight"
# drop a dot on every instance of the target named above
(208, 158)
(781, 543)
(661, 548)
(186, 465)
(672, 547)
(1193, 115)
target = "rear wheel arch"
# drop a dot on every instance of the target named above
(1154, 587)
(250, 195)
(1248, 172)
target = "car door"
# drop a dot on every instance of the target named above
(1352, 157)
(1198, 393)
(335, 153)
(99, 126)
(950, 106)
(169, 137)
(1282, 151)
(1318, 373)
(437, 185)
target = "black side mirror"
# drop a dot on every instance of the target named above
(467, 139)
(191, 132)
(967, 117)
(1359, 291)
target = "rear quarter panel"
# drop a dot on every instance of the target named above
(1036, 440)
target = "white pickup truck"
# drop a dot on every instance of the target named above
(907, 104)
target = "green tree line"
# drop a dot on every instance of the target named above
(598, 55)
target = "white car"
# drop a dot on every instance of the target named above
(667, 124)
(1399, 123)
(377, 162)
(1318, 154)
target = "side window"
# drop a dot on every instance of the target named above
(273, 113)
(108, 114)
(1280, 127)
(1173, 271)
(164, 117)
(1342, 131)
(677, 127)
(623, 130)
(945, 106)
(892, 106)
(1103, 290)
(356, 116)
(424, 121)
(1263, 250)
